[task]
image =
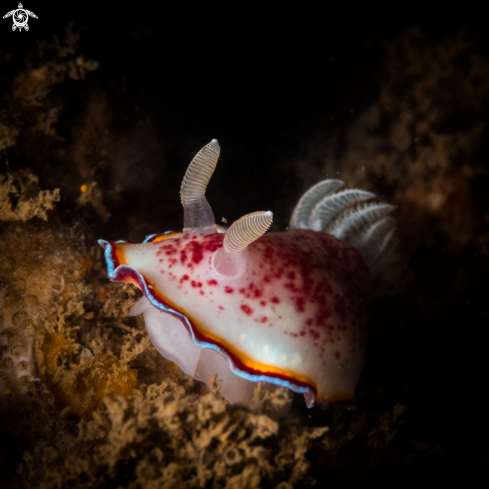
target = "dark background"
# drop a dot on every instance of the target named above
(261, 80)
(264, 82)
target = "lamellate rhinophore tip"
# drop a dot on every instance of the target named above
(197, 211)
(246, 230)
(199, 173)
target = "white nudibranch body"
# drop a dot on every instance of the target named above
(287, 308)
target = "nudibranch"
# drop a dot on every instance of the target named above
(286, 308)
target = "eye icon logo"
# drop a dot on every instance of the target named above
(20, 16)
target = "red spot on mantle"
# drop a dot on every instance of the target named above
(246, 309)
(275, 300)
(300, 303)
(257, 293)
(264, 319)
(290, 275)
(228, 290)
(196, 251)
(185, 277)
(212, 282)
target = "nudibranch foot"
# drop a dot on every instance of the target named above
(172, 340)
(287, 309)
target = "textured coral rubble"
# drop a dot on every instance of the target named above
(45, 291)
(68, 348)
(164, 440)
(86, 401)
(21, 187)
